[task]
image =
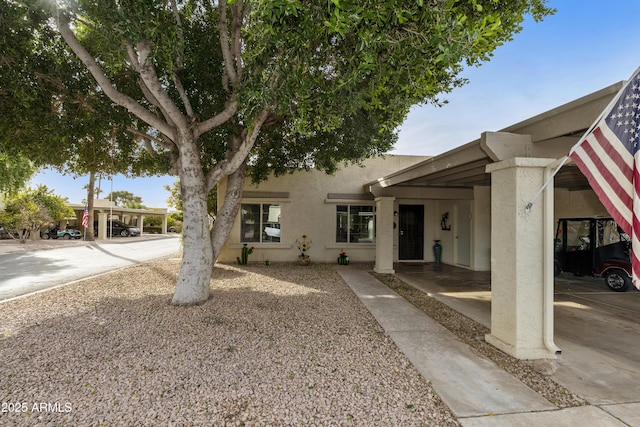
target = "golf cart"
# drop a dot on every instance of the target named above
(594, 246)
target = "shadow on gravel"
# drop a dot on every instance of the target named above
(268, 348)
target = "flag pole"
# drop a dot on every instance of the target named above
(562, 161)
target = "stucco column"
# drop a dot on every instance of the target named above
(102, 225)
(164, 224)
(384, 235)
(517, 278)
(141, 224)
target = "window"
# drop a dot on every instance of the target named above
(355, 224)
(260, 222)
(578, 234)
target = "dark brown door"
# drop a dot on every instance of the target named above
(411, 232)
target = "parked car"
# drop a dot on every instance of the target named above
(175, 228)
(594, 246)
(119, 229)
(56, 233)
(4, 233)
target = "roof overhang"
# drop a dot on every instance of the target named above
(547, 135)
(119, 209)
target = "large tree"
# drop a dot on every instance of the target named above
(226, 89)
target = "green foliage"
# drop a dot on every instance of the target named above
(126, 199)
(153, 221)
(338, 76)
(175, 216)
(33, 208)
(370, 56)
(15, 171)
(175, 199)
(53, 101)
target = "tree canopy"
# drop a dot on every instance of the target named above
(27, 211)
(126, 199)
(15, 172)
(220, 90)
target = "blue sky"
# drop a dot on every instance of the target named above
(586, 46)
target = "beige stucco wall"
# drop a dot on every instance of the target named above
(480, 229)
(307, 210)
(577, 203)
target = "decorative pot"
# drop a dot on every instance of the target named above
(304, 260)
(343, 260)
(437, 251)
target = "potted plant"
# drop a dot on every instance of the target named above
(303, 247)
(343, 259)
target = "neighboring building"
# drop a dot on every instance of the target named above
(104, 209)
(472, 199)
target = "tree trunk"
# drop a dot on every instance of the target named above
(197, 257)
(227, 213)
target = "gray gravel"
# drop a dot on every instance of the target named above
(278, 345)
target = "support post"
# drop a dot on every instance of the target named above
(102, 225)
(517, 260)
(384, 235)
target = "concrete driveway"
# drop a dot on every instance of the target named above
(38, 265)
(598, 330)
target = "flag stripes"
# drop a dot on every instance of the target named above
(85, 217)
(608, 157)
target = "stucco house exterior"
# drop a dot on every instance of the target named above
(423, 199)
(472, 199)
(334, 211)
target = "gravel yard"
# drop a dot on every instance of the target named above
(278, 345)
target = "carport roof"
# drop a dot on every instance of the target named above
(547, 135)
(120, 209)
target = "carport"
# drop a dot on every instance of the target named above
(104, 209)
(475, 200)
(596, 328)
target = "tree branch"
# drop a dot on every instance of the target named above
(133, 58)
(153, 101)
(179, 63)
(224, 44)
(238, 155)
(183, 96)
(230, 109)
(146, 137)
(104, 82)
(238, 15)
(151, 80)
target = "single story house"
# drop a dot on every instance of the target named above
(104, 209)
(472, 199)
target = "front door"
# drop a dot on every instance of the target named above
(411, 233)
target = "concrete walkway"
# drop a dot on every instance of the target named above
(478, 391)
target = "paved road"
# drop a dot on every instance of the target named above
(22, 273)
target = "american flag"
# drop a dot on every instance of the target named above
(85, 217)
(608, 156)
